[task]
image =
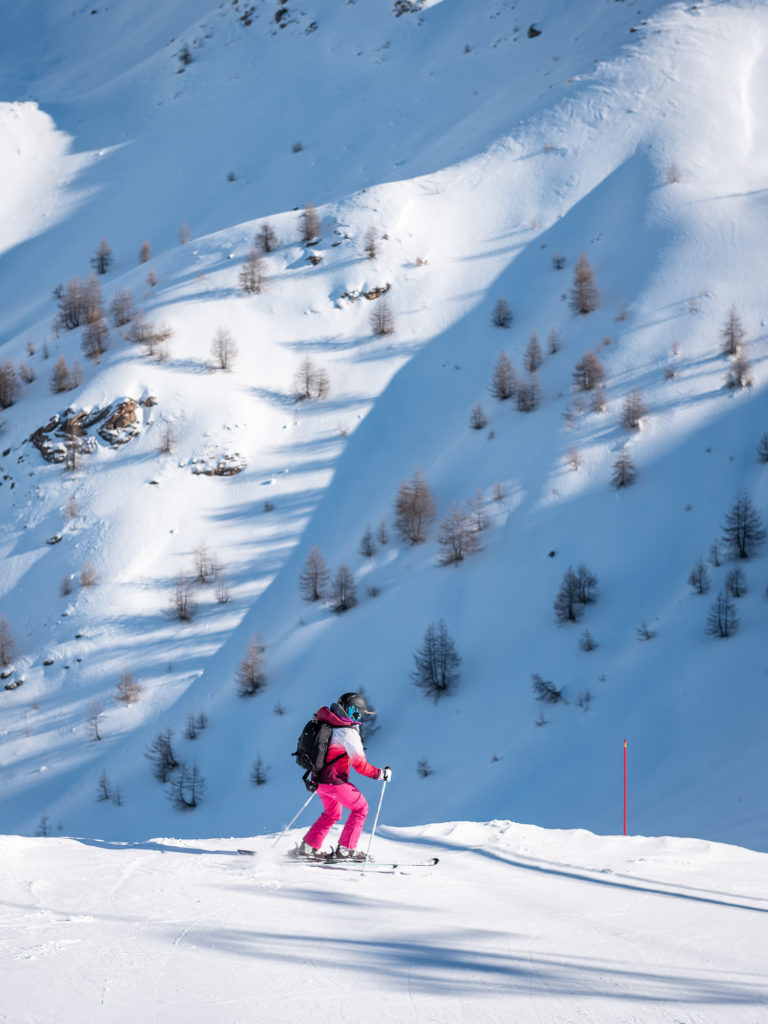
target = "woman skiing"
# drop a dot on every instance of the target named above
(334, 788)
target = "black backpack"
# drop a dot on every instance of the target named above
(312, 750)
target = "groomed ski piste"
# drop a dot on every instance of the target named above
(515, 923)
(479, 141)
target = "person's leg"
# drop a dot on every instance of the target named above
(317, 832)
(351, 797)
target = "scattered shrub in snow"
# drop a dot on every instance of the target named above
(573, 459)
(104, 790)
(145, 253)
(414, 509)
(342, 593)
(182, 599)
(96, 339)
(205, 563)
(310, 381)
(223, 349)
(9, 384)
(743, 531)
(554, 344)
(739, 373)
(382, 319)
(64, 379)
(598, 400)
(762, 449)
(545, 691)
(253, 278)
(672, 174)
(644, 632)
(259, 774)
(27, 373)
(587, 642)
(477, 418)
(502, 314)
(423, 768)
(186, 788)
(103, 259)
(250, 676)
(732, 333)
(437, 662)
(128, 691)
(79, 303)
(504, 381)
(577, 590)
(7, 643)
(88, 575)
(714, 554)
(382, 531)
(736, 583)
(558, 260)
(528, 393)
(196, 722)
(624, 470)
(584, 295)
(161, 756)
(371, 244)
(121, 308)
(588, 373)
(93, 720)
(309, 225)
(168, 439)
(633, 411)
(44, 827)
(532, 358)
(723, 618)
(314, 578)
(584, 700)
(222, 592)
(458, 536)
(266, 239)
(699, 578)
(367, 546)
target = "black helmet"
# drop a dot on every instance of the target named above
(354, 705)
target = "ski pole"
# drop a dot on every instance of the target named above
(375, 822)
(294, 818)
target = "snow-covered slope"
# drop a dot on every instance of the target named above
(506, 927)
(477, 151)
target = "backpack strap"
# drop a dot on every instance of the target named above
(311, 784)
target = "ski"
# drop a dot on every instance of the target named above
(360, 864)
(322, 862)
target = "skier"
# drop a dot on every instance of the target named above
(334, 788)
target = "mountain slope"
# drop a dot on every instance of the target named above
(476, 153)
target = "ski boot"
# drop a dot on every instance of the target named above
(306, 852)
(344, 854)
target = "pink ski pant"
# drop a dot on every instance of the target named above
(334, 799)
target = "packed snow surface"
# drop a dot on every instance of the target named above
(514, 924)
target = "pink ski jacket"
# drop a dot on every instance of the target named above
(345, 745)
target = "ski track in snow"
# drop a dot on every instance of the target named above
(503, 928)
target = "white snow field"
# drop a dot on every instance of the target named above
(515, 923)
(483, 143)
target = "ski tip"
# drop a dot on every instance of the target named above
(247, 853)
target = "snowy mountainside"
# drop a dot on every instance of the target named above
(476, 152)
